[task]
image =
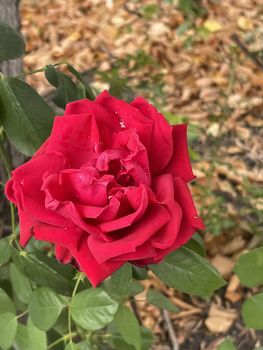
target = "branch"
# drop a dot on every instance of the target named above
(245, 50)
(170, 329)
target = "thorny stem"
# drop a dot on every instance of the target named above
(79, 278)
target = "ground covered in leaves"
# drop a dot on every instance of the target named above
(199, 63)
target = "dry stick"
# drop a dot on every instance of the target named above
(135, 309)
(170, 329)
(245, 50)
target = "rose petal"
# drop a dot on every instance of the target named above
(160, 150)
(127, 116)
(156, 217)
(27, 182)
(63, 254)
(133, 195)
(76, 137)
(96, 272)
(180, 165)
(67, 237)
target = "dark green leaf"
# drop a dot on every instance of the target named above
(249, 268)
(120, 344)
(67, 91)
(88, 93)
(93, 309)
(8, 326)
(119, 284)
(5, 251)
(157, 298)
(226, 345)
(128, 326)
(136, 288)
(196, 244)
(20, 283)
(6, 304)
(189, 273)
(45, 307)
(139, 273)
(252, 311)
(12, 44)
(42, 271)
(27, 124)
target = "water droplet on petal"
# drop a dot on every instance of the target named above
(22, 182)
(122, 124)
(65, 228)
(109, 197)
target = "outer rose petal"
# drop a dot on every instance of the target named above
(64, 236)
(95, 271)
(155, 217)
(180, 165)
(27, 182)
(161, 146)
(63, 254)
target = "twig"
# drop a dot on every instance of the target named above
(135, 309)
(187, 313)
(245, 50)
(170, 329)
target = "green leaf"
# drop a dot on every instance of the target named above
(21, 341)
(12, 44)
(25, 116)
(20, 283)
(196, 244)
(45, 307)
(30, 338)
(6, 304)
(44, 271)
(5, 251)
(120, 344)
(8, 326)
(136, 288)
(252, 311)
(189, 273)
(84, 85)
(139, 273)
(249, 268)
(67, 91)
(156, 298)
(128, 326)
(227, 345)
(93, 309)
(72, 346)
(119, 284)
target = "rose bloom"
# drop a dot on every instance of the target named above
(108, 186)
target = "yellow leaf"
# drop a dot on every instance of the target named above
(212, 25)
(244, 23)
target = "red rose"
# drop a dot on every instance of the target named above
(108, 186)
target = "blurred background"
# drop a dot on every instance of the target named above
(199, 62)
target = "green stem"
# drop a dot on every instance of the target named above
(5, 158)
(41, 69)
(22, 314)
(64, 338)
(79, 278)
